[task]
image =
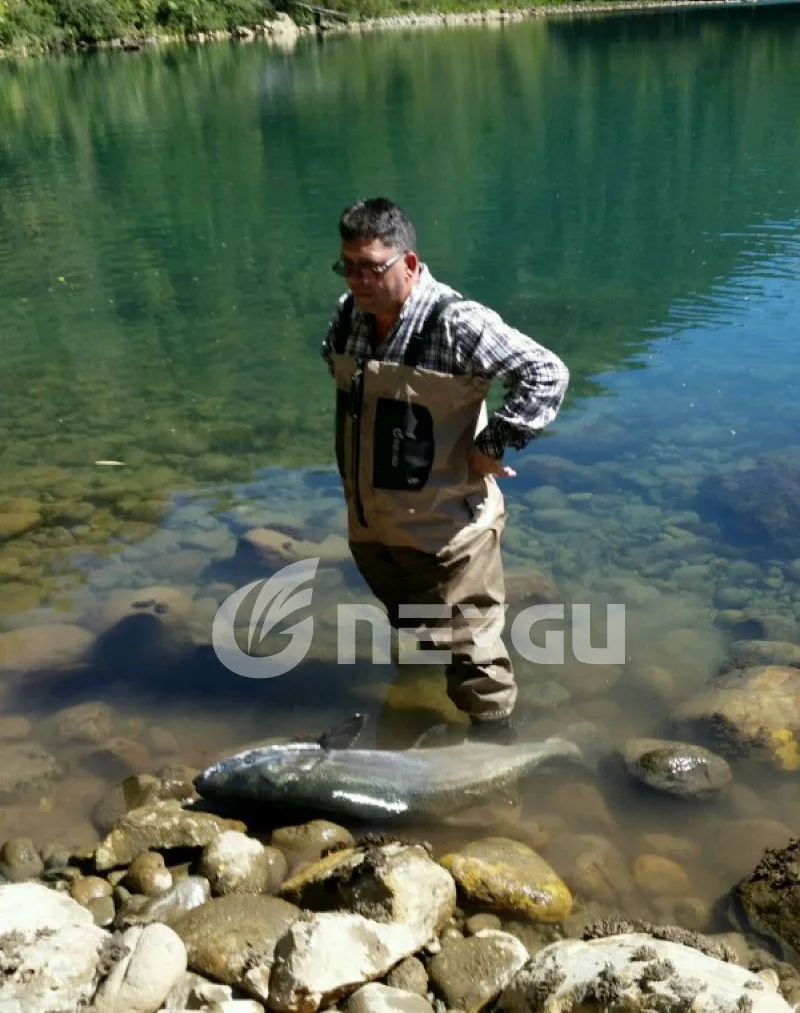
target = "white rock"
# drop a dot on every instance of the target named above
(329, 956)
(235, 863)
(143, 978)
(578, 971)
(376, 998)
(406, 886)
(50, 951)
(236, 1006)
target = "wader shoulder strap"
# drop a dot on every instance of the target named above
(418, 341)
(342, 330)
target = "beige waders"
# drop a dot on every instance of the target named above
(423, 529)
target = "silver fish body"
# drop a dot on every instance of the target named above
(414, 785)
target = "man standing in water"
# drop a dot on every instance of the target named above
(419, 459)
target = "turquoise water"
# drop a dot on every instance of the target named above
(626, 189)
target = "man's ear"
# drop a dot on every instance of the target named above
(411, 262)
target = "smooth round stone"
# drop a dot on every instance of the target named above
(148, 875)
(677, 768)
(19, 859)
(409, 975)
(660, 877)
(305, 842)
(750, 712)
(507, 875)
(103, 911)
(90, 888)
(477, 923)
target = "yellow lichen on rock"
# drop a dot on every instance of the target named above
(508, 875)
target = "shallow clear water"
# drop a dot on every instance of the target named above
(626, 189)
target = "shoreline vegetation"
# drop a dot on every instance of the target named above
(43, 27)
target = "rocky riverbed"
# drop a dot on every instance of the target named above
(179, 909)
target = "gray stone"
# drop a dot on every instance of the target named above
(19, 860)
(676, 768)
(409, 976)
(26, 766)
(186, 895)
(232, 939)
(472, 972)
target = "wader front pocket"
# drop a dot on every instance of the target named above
(403, 447)
(342, 402)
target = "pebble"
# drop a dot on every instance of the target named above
(409, 976)
(19, 860)
(478, 923)
(660, 877)
(90, 888)
(148, 875)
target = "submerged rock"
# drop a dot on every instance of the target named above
(26, 766)
(757, 500)
(676, 768)
(770, 898)
(748, 712)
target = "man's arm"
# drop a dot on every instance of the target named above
(329, 341)
(535, 378)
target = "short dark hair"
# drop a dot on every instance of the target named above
(378, 218)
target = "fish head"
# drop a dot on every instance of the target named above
(265, 774)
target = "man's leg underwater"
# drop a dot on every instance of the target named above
(465, 585)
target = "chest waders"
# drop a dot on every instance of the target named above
(423, 528)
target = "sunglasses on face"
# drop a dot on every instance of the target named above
(345, 268)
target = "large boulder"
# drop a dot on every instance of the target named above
(747, 712)
(159, 826)
(232, 939)
(769, 899)
(51, 952)
(327, 956)
(635, 972)
(757, 500)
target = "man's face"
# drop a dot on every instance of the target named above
(382, 293)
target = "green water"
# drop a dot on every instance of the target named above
(626, 189)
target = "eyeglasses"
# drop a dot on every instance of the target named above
(345, 268)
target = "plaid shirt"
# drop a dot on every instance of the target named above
(470, 340)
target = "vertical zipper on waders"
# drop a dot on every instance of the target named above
(356, 404)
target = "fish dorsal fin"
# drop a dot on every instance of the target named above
(344, 735)
(432, 737)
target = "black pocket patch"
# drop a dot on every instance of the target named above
(342, 404)
(403, 447)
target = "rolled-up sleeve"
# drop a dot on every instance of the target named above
(535, 378)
